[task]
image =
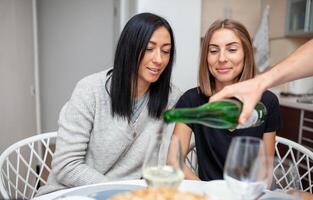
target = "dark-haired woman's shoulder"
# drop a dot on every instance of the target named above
(95, 79)
(91, 86)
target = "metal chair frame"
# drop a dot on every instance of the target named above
(23, 164)
(191, 159)
(300, 156)
(17, 185)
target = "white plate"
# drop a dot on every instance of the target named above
(193, 186)
(98, 192)
(217, 190)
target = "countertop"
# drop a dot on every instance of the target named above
(292, 102)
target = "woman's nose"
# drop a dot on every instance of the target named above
(157, 57)
(222, 57)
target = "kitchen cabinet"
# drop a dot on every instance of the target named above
(290, 123)
(299, 18)
(306, 129)
(297, 125)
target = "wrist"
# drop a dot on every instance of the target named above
(263, 82)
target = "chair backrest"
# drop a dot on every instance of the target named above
(300, 156)
(191, 159)
(24, 166)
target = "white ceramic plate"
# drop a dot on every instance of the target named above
(217, 190)
(193, 186)
(100, 192)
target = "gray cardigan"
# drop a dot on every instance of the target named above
(93, 147)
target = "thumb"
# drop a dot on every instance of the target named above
(220, 95)
(246, 112)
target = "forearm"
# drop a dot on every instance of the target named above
(298, 64)
(189, 174)
(78, 174)
(269, 141)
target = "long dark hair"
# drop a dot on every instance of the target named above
(128, 55)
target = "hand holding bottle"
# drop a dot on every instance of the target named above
(248, 92)
(297, 65)
(222, 114)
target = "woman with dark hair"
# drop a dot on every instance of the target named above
(105, 127)
(226, 58)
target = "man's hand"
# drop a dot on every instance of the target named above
(248, 92)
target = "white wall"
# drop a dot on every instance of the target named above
(127, 9)
(17, 102)
(76, 38)
(185, 19)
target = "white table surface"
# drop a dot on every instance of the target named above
(186, 185)
(215, 190)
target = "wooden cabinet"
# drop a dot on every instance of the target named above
(293, 18)
(290, 123)
(306, 129)
(299, 18)
(297, 125)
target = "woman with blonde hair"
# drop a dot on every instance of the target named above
(226, 57)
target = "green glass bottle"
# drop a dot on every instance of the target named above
(222, 114)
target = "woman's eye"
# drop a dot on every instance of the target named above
(149, 49)
(166, 51)
(232, 50)
(213, 51)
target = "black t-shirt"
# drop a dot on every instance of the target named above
(212, 144)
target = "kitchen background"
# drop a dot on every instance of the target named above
(47, 46)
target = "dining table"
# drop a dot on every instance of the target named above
(214, 190)
(114, 187)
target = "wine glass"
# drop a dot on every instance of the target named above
(285, 179)
(160, 173)
(246, 168)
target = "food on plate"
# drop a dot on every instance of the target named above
(159, 194)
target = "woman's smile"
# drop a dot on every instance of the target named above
(223, 70)
(154, 70)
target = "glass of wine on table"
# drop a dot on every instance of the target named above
(159, 171)
(246, 169)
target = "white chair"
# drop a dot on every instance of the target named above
(191, 159)
(24, 166)
(301, 157)
(284, 149)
